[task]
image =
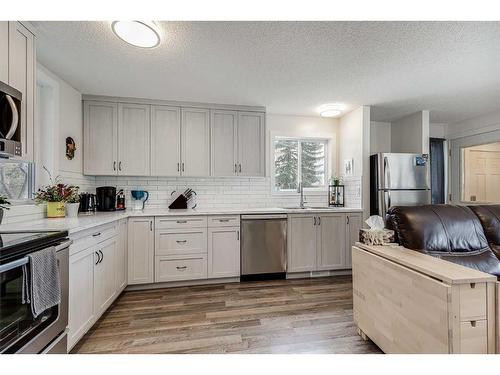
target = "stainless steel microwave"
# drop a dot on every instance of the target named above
(10, 121)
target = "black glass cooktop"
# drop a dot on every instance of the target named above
(16, 244)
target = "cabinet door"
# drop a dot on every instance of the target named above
(4, 51)
(22, 77)
(331, 245)
(223, 252)
(301, 243)
(105, 275)
(81, 294)
(121, 256)
(195, 138)
(251, 144)
(140, 250)
(100, 126)
(134, 134)
(354, 223)
(223, 148)
(165, 141)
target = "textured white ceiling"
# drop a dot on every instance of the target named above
(450, 68)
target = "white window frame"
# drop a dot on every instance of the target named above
(310, 191)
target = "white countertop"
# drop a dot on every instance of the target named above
(88, 221)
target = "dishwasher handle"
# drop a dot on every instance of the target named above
(264, 217)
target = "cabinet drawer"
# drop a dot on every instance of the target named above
(180, 241)
(178, 269)
(474, 337)
(179, 222)
(90, 237)
(472, 301)
(223, 221)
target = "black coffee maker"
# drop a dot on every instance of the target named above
(106, 198)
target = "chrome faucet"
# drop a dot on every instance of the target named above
(300, 189)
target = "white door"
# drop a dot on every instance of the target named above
(165, 141)
(223, 252)
(140, 250)
(100, 127)
(22, 77)
(301, 243)
(223, 148)
(81, 294)
(251, 144)
(4, 51)
(331, 241)
(195, 140)
(481, 175)
(134, 134)
(105, 275)
(354, 223)
(121, 256)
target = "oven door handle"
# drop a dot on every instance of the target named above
(63, 245)
(17, 263)
(15, 117)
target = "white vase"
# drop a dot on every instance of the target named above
(72, 209)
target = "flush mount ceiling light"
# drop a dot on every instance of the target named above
(330, 110)
(143, 34)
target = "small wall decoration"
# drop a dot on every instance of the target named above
(70, 148)
(348, 167)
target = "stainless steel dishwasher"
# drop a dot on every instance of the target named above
(263, 247)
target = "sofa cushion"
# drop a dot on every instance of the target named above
(489, 215)
(452, 233)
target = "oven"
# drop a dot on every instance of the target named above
(10, 121)
(20, 332)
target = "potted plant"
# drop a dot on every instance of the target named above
(3, 206)
(336, 180)
(55, 195)
(72, 201)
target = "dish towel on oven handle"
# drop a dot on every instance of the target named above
(41, 282)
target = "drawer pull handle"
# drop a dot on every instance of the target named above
(181, 221)
(181, 268)
(181, 241)
(473, 323)
(223, 220)
(96, 234)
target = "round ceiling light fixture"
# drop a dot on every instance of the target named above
(144, 34)
(330, 110)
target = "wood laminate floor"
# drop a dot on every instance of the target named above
(284, 316)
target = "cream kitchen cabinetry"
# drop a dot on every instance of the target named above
(321, 242)
(140, 250)
(223, 252)
(165, 141)
(4, 51)
(134, 139)
(96, 269)
(21, 76)
(122, 256)
(195, 142)
(117, 139)
(354, 222)
(237, 143)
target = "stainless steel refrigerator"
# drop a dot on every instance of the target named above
(398, 179)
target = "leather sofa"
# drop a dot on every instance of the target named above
(459, 234)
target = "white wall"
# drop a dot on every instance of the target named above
(411, 133)
(478, 125)
(380, 137)
(437, 130)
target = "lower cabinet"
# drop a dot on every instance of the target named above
(140, 250)
(223, 252)
(321, 242)
(96, 271)
(174, 268)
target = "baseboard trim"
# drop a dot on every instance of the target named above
(173, 284)
(313, 274)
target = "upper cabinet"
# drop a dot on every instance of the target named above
(165, 141)
(238, 143)
(151, 139)
(134, 139)
(17, 69)
(4, 51)
(195, 142)
(100, 138)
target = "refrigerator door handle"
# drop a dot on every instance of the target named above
(387, 174)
